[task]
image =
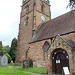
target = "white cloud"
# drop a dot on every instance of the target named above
(9, 20)
(58, 7)
(10, 17)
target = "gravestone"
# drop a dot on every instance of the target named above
(30, 63)
(0, 60)
(4, 61)
(25, 64)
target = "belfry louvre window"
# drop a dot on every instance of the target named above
(42, 8)
(27, 9)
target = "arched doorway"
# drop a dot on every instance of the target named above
(60, 59)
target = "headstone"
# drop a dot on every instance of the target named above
(4, 61)
(30, 63)
(0, 60)
(25, 64)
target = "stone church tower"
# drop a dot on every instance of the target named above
(33, 13)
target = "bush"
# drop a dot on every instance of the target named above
(9, 57)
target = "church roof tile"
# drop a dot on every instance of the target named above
(61, 25)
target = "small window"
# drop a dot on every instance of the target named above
(46, 46)
(27, 9)
(42, 7)
(26, 20)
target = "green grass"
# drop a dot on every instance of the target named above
(15, 70)
(11, 64)
(36, 70)
(33, 70)
(18, 70)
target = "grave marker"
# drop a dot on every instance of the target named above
(4, 61)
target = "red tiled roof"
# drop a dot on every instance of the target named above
(61, 25)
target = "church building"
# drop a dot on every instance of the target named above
(43, 41)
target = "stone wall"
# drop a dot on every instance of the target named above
(39, 64)
(62, 44)
(25, 33)
(26, 30)
(70, 36)
(45, 13)
(36, 52)
(74, 59)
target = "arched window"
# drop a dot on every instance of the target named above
(46, 48)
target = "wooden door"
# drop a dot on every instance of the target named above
(61, 61)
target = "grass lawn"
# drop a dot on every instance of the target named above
(15, 70)
(18, 70)
(36, 70)
(11, 64)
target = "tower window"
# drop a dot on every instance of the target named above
(27, 9)
(26, 20)
(42, 7)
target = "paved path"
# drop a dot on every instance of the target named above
(32, 73)
(40, 74)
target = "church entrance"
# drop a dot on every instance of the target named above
(60, 59)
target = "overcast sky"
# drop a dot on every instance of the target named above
(10, 17)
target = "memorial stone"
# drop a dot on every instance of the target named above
(4, 61)
(25, 64)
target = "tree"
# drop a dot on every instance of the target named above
(1, 51)
(6, 49)
(9, 57)
(72, 4)
(13, 49)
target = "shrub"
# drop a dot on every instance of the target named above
(9, 57)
